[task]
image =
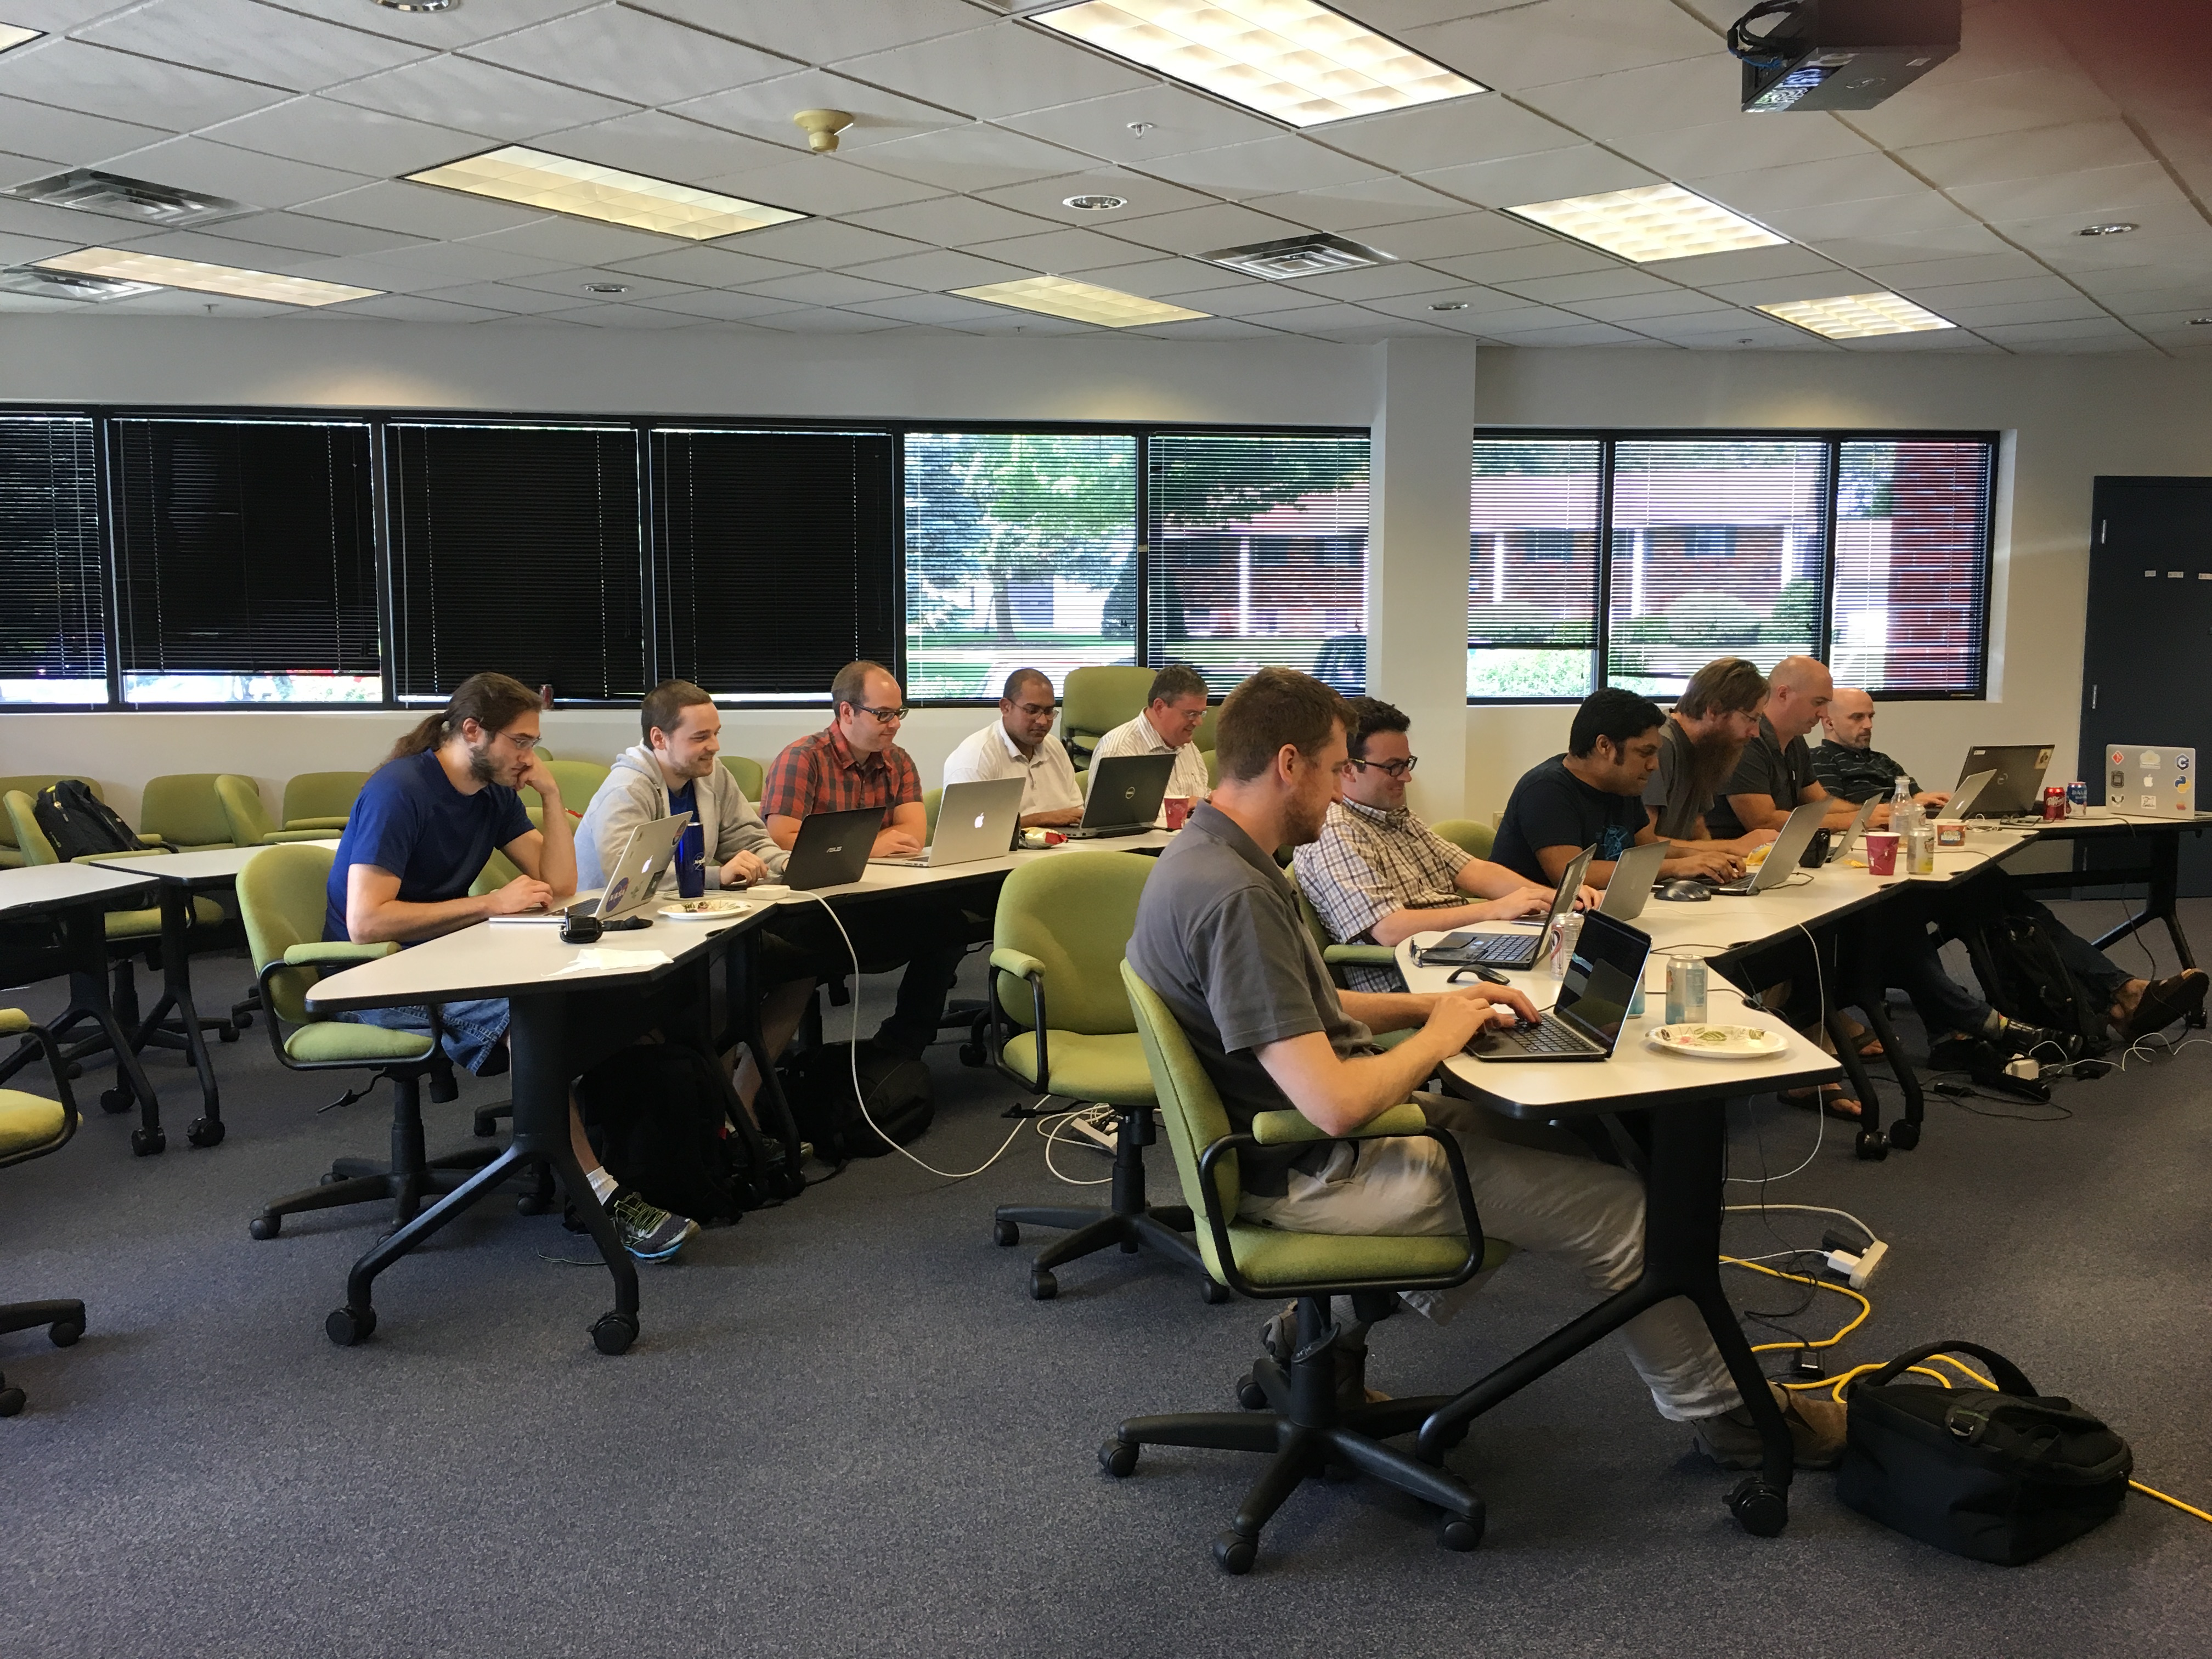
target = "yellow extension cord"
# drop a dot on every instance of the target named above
(1835, 1386)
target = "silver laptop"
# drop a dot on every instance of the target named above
(1470, 949)
(1633, 874)
(1585, 1021)
(2016, 791)
(1963, 797)
(1126, 791)
(1849, 840)
(646, 856)
(1781, 857)
(974, 821)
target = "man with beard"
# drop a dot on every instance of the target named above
(1219, 938)
(1716, 716)
(1774, 775)
(1851, 767)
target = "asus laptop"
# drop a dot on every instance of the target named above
(832, 848)
(2016, 790)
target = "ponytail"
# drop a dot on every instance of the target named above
(492, 700)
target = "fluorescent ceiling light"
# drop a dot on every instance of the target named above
(13, 35)
(1083, 303)
(1291, 60)
(559, 185)
(205, 278)
(1653, 221)
(1857, 316)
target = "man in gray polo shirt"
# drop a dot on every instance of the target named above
(1218, 936)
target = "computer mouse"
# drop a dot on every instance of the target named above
(1683, 890)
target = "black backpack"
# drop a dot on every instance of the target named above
(2026, 978)
(819, 1083)
(79, 823)
(667, 1122)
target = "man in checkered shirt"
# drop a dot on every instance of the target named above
(1378, 874)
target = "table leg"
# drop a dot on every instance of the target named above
(742, 981)
(87, 942)
(207, 1129)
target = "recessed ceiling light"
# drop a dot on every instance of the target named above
(202, 278)
(606, 288)
(1652, 222)
(1082, 302)
(85, 189)
(2117, 228)
(1450, 305)
(1094, 203)
(1300, 62)
(1858, 316)
(13, 34)
(560, 185)
(419, 5)
(2200, 322)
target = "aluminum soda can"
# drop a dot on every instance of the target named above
(2077, 795)
(2054, 800)
(1686, 990)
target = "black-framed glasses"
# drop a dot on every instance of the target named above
(888, 716)
(1397, 769)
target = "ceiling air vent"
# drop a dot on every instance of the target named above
(1297, 256)
(117, 197)
(68, 284)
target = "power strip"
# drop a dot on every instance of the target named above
(1097, 1125)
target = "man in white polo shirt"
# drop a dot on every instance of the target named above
(1167, 725)
(1020, 743)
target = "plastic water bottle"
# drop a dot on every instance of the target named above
(1564, 933)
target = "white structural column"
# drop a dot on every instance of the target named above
(1417, 570)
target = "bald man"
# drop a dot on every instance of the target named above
(1775, 775)
(1848, 765)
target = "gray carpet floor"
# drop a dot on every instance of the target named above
(847, 1430)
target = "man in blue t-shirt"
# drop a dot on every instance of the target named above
(420, 835)
(1593, 796)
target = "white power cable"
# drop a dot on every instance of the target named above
(1050, 1128)
(1820, 1106)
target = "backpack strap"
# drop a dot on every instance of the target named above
(2008, 1376)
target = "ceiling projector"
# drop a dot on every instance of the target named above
(1839, 54)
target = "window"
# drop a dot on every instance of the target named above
(1633, 559)
(775, 557)
(1020, 551)
(245, 562)
(516, 549)
(1256, 555)
(53, 625)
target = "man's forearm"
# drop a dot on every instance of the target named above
(1404, 924)
(1385, 1010)
(1376, 1083)
(397, 922)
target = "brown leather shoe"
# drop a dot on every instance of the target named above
(1816, 1432)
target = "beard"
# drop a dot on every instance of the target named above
(1713, 759)
(483, 768)
(1303, 821)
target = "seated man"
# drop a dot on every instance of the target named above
(1167, 725)
(1219, 939)
(678, 769)
(1592, 796)
(1377, 874)
(1716, 716)
(1020, 743)
(1775, 775)
(1849, 766)
(854, 762)
(419, 835)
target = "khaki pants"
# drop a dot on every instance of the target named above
(1591, 1213)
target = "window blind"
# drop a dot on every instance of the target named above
(53, 620)
(1257, 554)
(246, 561)
(1911, 590)
(1533, 567)
(775, 557)
(516, 549)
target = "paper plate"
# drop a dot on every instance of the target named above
(705, 909)
(1711, 1041)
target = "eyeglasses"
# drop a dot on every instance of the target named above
(888, 716)
(524, 741)
(1037, 711)
(1395, 768)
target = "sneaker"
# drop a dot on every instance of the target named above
(1816, 1432)
(1280, 1337)
(2014, 1037)
(648, 1232)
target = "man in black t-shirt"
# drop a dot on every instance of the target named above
(1775, 776)
(1593, 796)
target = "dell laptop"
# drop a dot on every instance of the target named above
(1126, 793)
(2016, 791)
(974, 821)
(1585, 1022)
(646, 856)
(832, 848)
(1633, 876)
(1474, 949)
(1781, 857)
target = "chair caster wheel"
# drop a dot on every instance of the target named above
(971, 1053)
(1118, 1457)
(484, 1125)
(1460, 1533)
(226, 1034)
(1249, 1394)
(529, 1204)
(205, 1131)
(115, 1100)
(348, 1326)
(1005, 1232)
(1234, 1553)
(241, 1021)
(1212, 1294)
(11, 1402)
(1758, 1508)
(64, 1333)
(613, 1332)
(1872, 1145)
(266, 1226)
(1904, 1136)
(147, 1142)
(1042, 1285)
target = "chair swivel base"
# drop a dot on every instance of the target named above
(365, 1181)
(64, 1323)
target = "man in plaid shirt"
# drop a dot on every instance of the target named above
(1378, 874)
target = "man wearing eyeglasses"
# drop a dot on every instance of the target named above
(1167, 725)
(1378, 874)
(1020, 743)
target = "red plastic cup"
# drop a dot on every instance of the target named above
(1177, 807)
(1882, 851)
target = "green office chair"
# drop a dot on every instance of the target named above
(1096, 700)
(249, 820)
(29, 783)
(1476, 839)
(1062, 924)
(578, 780)
(1205, 737)
(931, 800)
(1212, 769)
(30, 1125)
(184, 810)
(282, 893)
(1301, 1430)
(749, 775)
(321, 800)
(1337, 957)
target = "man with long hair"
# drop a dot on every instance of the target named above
(1714, 719)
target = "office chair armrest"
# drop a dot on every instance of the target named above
(1291, 1128)
(1019, 963)
(14, 1021)
(1373, 955)
(148, 839)
(280, 837)
(1024, 966)
(109, 858)
(329, 953)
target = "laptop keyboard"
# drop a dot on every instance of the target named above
(1550, 1038)
(1510, 949)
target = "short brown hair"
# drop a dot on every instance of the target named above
(664, 706)
(851, 685)
(1274, 707)
(1371, 715)
(1175, 680)
(1726, 685)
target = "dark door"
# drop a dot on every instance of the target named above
(2148, 640)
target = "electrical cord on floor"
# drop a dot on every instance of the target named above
(1050, 1127)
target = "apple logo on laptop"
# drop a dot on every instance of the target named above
(979, 819)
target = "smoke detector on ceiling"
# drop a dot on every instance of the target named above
(1298, 256)
(69, 284)
(115, 197)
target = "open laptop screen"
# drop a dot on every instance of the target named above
(1600, 981)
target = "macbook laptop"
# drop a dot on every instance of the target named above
(1125, 796)
(2016, 791)
(974, 821)
(1963, 797)
(646, 855)
(1850, 839)
(1585, 1022)
(1783, 855)
(832, 848)
(1633, 875)
(1474, 949)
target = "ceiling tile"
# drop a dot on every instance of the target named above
(67, 138)
(1460, 234)
(1549, 176)
(1202, 229)
(1635, 308)
(953, 221)
(243, 175)
(823, 31)
(1930, 111)
(1887, 218)
(52, 224)
(945, 310)
(1974, 315)
(1370, 204)
(1061, 252)
(707, 267)
(1864, 244)
(1581, 334)
(1689, 153)
(22, 169)
(827, 287)
(455, 262)
(1323, 318)
(1048, 197)
(1203, 328)
(941, 269)
(2086, 329)
(504, 296)
(251, 42)
(422, 210)
(1501, 322)
(1176, 121)
(974, 157)
(186, 302)
(2016, 290)
(1772, 290)
(327, 237)
(821, 184)
(1957, 340)
(575, 241)
(764, 110)
(1157, 279)
(819, 243)
(1002, 70)
(575, 282)
(1555, 41)
(1993, 160)
(22, 250)
(662, 146)
(341, 136)
(74, 75)
(1704, 269)
(1283, 162)
(477, 20)
(210, 247)
(1654, 98)
(623, 316)
(630, 54)
(720, 305)
(1377, 283)
(480, 98)
(1722, 329)
(1435, 136)
(2099, 192)
(1908, 276)
(1471, 302)
(1588, 285)
(1763, 191)
(1249, 298)
(1522, 265)
(820, 320)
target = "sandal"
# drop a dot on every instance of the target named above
(1869, 1045)
(1833, 1100)
(2164, 1001)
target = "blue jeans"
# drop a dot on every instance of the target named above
(474, 1030)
